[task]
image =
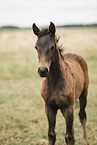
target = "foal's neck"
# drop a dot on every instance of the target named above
(56, 72)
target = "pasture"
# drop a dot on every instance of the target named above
(22, 116)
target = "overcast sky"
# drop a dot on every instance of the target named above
(25, 12)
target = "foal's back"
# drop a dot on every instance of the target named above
(70, 56)
(79, 70)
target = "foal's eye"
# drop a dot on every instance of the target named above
(52, 47)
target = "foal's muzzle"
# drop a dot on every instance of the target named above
(43, 71)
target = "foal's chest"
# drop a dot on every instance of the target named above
(54, 100)
(51, 95)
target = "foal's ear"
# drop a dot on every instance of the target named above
(35, 29)
(52, 28)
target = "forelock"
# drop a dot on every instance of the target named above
(43, 32)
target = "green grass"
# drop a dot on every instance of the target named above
(22, 116)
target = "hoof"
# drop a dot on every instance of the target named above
(52, 138)
(70, 140)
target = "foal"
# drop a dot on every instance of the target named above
(65, 80)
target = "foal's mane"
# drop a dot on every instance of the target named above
(45, 32)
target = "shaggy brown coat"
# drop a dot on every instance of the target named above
(65, 80)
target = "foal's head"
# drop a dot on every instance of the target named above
(45, 47)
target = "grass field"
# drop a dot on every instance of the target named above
(22, 116)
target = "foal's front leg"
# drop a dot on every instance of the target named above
(51, 115)
(68, 114)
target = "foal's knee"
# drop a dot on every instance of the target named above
(70, 140)
(52, 137)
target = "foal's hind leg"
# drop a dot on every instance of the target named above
(51, 115)
(82, 114)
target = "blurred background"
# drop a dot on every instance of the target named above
(24, 12)
(22, 115)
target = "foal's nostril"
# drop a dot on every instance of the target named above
(43, 71)
(39, 70)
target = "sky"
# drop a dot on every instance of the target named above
(24, 13)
